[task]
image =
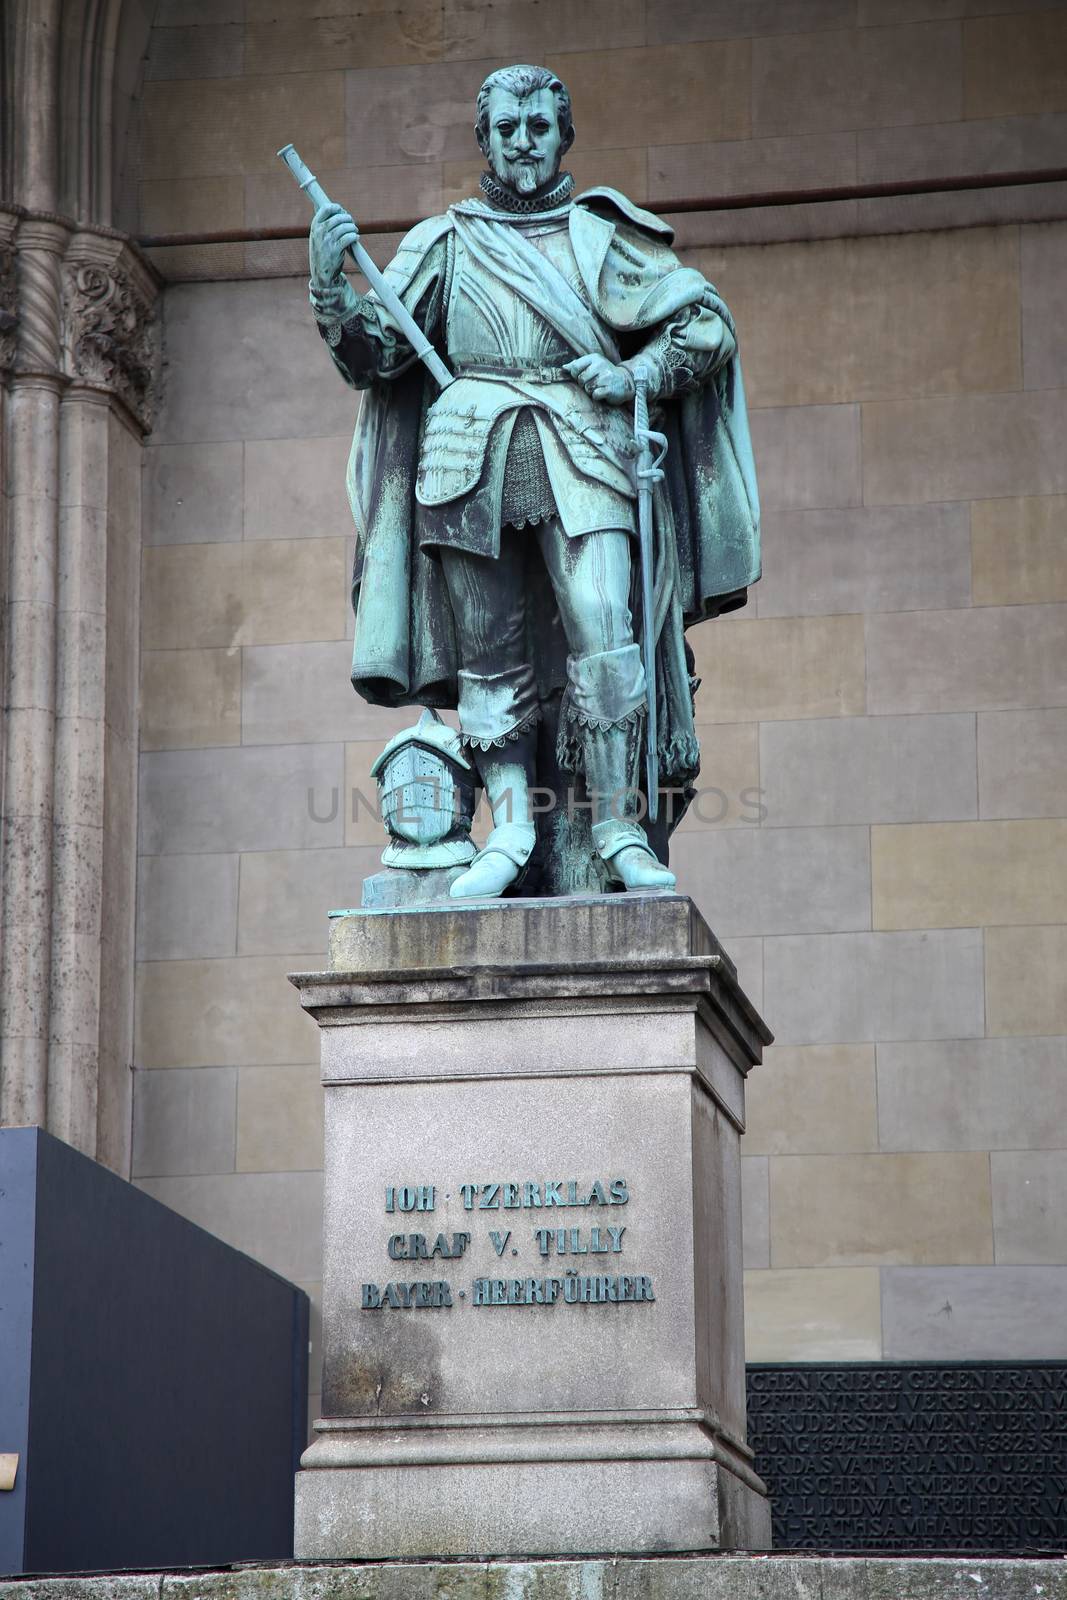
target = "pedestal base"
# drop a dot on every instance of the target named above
(511, 1487)
(532, 1286)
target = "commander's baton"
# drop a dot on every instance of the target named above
(387, 295)
(648, 472)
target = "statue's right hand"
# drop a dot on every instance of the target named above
(332, 231)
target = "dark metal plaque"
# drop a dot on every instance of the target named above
(881, 1456)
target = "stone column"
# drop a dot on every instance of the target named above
(532, 1298)
(79, 399)
(108, 359)
(77, 832)
(32, 482)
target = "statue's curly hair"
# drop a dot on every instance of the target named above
(522, 81)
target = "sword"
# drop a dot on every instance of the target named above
(648, 471)
(387, 295)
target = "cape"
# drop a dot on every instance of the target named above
(706, 508)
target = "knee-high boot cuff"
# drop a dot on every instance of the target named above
(497, 708)
(606, 688)
(604, 691)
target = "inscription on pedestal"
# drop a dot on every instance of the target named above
(924, 1457)
(570, 1287)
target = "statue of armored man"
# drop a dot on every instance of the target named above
(498, 567)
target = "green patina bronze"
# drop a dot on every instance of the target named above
(520, 558)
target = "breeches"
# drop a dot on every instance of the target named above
(590, 576)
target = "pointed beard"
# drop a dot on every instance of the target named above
(524, 177)
(528, 177)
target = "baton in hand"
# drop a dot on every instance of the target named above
(386, 294)
(648, 472)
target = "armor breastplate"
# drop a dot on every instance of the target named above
(507, 357)
(487, 321)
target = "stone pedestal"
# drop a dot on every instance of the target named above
(533, 1325)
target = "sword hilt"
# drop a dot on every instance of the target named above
(649, 468)
(654, 472)
(640, 401)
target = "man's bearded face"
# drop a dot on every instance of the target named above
(525, 143)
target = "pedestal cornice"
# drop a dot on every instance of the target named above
(445, 965)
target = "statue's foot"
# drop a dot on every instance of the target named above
(635, 868)
(486, 878)
(498, 864)
(628, 857)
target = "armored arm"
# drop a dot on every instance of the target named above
(687, 349)
(362, 345)
(357, 333)
(365, 340)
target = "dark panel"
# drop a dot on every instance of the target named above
(881, 1456)
(166, 1404)
(18, 1185)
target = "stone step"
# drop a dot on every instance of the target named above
(703, 1577)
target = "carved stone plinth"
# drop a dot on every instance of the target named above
(533, 1334)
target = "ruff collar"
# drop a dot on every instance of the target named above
(507, 200)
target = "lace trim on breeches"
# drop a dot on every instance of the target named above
(511, 737)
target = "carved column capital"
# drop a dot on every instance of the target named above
(110, 330)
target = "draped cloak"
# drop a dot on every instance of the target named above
(706, 508)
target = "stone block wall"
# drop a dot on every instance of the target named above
(881, 843)
(672, 98)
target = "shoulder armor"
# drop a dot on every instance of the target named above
(426, 233)
(647, 221)
(413, 249)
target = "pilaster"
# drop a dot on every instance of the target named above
(32, 428)
(77, 327)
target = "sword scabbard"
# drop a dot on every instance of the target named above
(645, 472)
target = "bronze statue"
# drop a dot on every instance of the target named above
(498, 567)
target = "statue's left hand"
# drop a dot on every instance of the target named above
(602, 379)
